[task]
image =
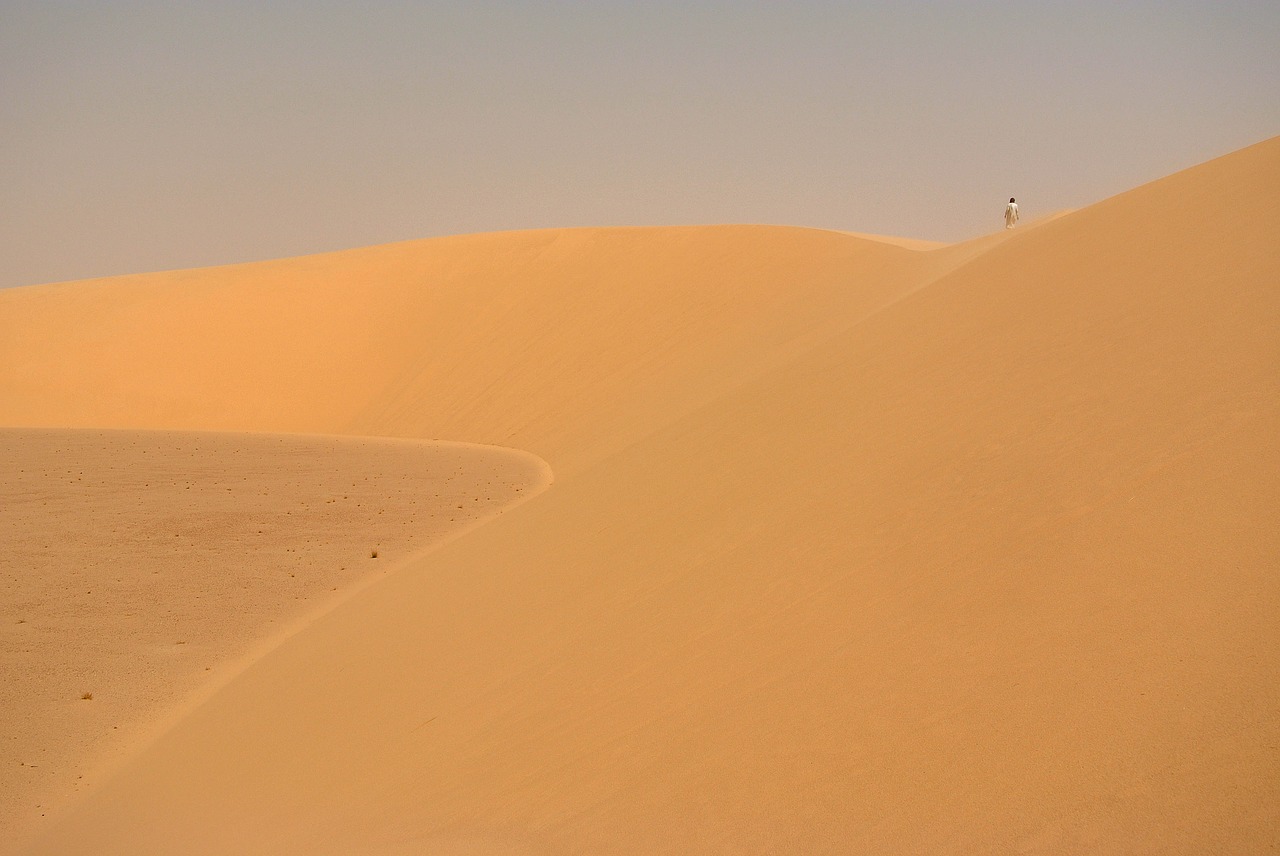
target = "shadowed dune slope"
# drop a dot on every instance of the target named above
(565, 343)
(962, 551)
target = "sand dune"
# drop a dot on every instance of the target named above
(852, 547)
(567, 343)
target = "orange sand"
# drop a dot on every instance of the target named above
(853, 547)
(144, 569)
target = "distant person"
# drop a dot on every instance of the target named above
(1010, 214)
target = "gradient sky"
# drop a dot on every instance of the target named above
(152, 135)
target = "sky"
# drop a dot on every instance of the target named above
(139, 136)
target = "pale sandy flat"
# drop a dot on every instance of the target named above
(142, 569)
(852, 547)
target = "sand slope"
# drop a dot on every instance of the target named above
(853, 548)
(565, 343)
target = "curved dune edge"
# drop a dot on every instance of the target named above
(975, 554)
(147, 569)
(917, 244)
(921, 245)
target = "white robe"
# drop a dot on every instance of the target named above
(1010, 215)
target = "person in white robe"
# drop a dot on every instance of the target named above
(1010, 214)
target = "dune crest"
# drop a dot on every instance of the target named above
(852, 548)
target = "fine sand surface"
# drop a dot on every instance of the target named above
(853, 547)
(142, 569)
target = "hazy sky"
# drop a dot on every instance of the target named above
(149, 135)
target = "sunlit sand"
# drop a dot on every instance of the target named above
(854, 545)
